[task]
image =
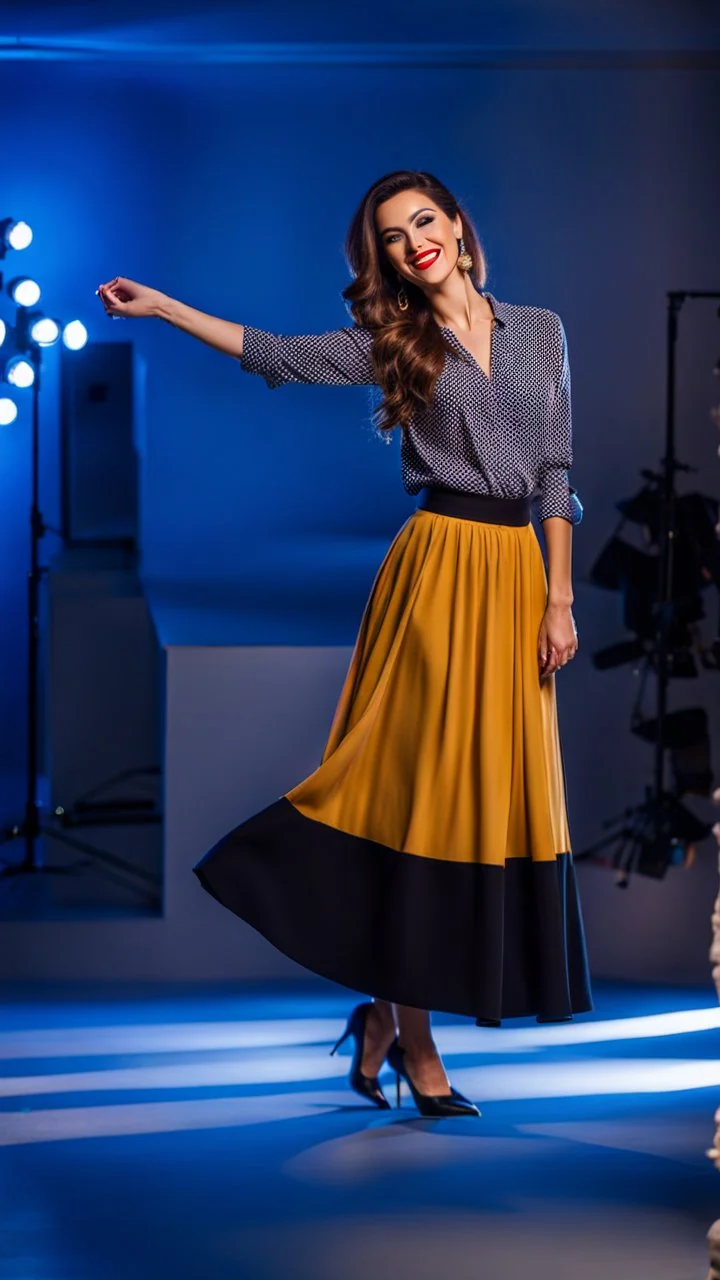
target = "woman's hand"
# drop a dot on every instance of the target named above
(122, 297)
(557, 640)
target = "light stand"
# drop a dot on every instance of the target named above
(670, 466)
(32, 826)
(652, 834)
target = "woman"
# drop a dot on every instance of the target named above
(427, 860)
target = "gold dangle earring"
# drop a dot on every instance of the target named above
(464, 262)
(402, 298)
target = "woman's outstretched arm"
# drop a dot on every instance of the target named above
(127, 298)
(340, 357)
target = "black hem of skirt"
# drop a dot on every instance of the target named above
(487, 942)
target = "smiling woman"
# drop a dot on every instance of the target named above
(427, 859)
(400, 247)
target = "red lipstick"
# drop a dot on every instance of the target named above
(426, 259)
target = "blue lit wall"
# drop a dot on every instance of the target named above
(231, 187)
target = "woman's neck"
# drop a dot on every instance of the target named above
(459, 305)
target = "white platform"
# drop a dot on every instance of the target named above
(243, 722)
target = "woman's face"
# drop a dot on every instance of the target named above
(420, 241)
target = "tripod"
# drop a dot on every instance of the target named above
(33, 826)
(670, 467)
(649, 832)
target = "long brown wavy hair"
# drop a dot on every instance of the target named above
(408, 346)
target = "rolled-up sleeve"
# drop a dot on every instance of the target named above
(557, 497)
(341, 357)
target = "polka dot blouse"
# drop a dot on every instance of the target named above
(509, 435)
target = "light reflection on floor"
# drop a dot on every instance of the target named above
(261, 1033)
(505, 1083)
(217, 1138)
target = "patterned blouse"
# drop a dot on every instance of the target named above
(509, 435)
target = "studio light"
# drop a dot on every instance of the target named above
(75, 335)
(17, 235)
(633, 572)
(24, 291)
(19, 372)
(44, 331)
(687, 737)
(662, 568)
(8, 411)
(21, 365)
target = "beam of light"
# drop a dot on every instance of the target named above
(75, 335)
(44, 331)
(8, 411)
(24, 291)
(495, 1084)
(275, 1069)
(506, 1082)
(3, 332)
(651, 1027)
(93, 1041)
(18, 235)
(19, 372)
(180, 1037)
(583, 1079)
(69, 1123)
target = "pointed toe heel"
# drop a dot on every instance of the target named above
(366, 1086)
(434, 1105)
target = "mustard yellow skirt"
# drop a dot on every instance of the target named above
(427, 860)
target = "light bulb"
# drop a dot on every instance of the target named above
(44, 331)
(24, 292)
(19, 372)
(8, 411)
(75, 335)
(18, 235)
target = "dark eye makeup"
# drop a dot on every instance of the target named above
(428, 217)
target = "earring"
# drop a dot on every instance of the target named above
(402, 298)
(464, 262)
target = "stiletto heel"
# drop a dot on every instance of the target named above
(367, 1086)
(443, 1104)
(397, 1088)
(342, 1040)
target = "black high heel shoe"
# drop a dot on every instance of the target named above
(366, 1086)
(428, 1104)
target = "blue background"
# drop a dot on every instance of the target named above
(586, 155)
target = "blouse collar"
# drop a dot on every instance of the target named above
(499, 309)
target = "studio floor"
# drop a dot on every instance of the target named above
(206, 1134)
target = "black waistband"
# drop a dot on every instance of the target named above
(475, 506)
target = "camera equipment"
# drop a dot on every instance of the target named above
(663, 565)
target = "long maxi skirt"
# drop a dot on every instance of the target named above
(427, 860)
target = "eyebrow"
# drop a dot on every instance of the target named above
(417, 212)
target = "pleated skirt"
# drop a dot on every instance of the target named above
(427, 860)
